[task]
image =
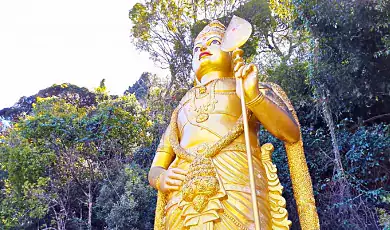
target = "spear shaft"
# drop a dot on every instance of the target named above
(249, 156)
(235, 36)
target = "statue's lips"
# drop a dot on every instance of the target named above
(204, 54)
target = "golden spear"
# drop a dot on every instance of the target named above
(237, 33)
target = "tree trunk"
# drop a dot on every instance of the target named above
(338, 169)
(60, 220)
(89, 207)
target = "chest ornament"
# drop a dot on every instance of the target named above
(202, 112)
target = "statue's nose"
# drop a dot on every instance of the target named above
(203, 48)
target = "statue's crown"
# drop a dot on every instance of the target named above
(214, 27)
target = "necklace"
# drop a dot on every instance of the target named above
(203, 111)
(204, 149)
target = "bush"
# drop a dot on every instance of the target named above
(127, 202)
(347, 205)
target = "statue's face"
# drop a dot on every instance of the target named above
(208, 56)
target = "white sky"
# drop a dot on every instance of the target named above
(46, 42)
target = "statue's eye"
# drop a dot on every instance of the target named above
(196, 49)
(215, 42)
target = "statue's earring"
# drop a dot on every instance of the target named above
(196, 81)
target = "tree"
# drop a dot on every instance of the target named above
(127, 201)
(350, 55)
(345, 73)
(22, 197)
(276, 39)
(166, 30)
(71, 93)
(81, 143)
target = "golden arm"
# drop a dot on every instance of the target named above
(274, 118)
(163, 158)
(277, 121)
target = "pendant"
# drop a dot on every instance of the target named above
(202, 90)
(202, 117)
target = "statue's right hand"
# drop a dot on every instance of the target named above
(172, 179)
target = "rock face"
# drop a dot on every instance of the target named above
(80, 95)
(141, 87)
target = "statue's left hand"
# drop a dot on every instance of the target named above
(248, 72)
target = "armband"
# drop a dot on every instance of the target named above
(255, 101)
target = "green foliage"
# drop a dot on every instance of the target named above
(57, 124)
(274, 40)
(159, 102)
(383, 214)
(62, 150)
(158, 29)
(293, 78)
(23, 197)
(347, 37)
(127, 202)
(366, 165)
(166, 30)
(366, 156)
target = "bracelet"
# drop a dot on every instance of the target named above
(255, 101)
(158, 181)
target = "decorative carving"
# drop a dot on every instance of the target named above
(200, 183)
(202, 112)
(277, 202)
(300, 177)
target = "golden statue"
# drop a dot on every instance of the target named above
(201, 168)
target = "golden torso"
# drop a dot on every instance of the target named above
(209, 111)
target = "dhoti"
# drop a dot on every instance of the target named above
(231, 207)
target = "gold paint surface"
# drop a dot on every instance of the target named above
(205, 137)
